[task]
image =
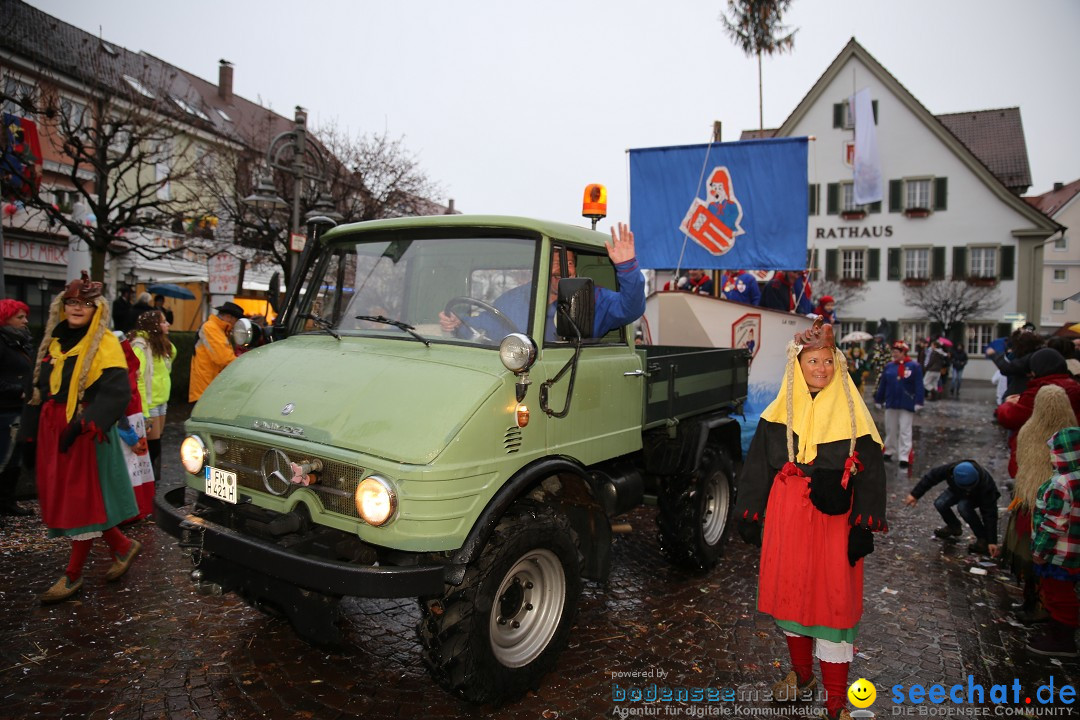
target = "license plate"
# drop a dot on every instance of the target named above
(221, 484)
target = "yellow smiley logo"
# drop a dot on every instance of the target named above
(862, 693)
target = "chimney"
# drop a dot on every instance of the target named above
(224, 89)
(1058, 186)
(450, 207)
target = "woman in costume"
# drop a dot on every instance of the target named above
(80, 391)
(156, 353)
(811, 493)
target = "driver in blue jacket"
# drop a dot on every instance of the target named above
(614, 308)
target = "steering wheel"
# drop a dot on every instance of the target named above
(495, 312)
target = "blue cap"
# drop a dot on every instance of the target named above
(965, 474)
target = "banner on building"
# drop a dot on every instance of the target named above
(721, 205)
(20, 157)
(867, 167)
(225, 272)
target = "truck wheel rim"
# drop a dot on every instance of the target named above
(527, 608)
(714, 512)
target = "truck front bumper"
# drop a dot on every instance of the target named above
(260, 556)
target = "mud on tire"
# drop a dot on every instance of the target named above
(492, 638)
(695, 512)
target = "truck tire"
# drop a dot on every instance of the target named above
(492, 638)
(695, 511)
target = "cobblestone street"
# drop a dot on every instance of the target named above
(148, 646)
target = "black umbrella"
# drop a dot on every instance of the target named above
(171, 290)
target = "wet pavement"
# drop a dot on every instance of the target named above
(148, 646)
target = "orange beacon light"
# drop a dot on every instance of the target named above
(594, 203)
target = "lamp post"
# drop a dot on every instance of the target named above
(292, 153)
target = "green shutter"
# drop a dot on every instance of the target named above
(832, 264)
(838, 115)
(1008, 260)
(959, 263)
(874, 207)
(874, 104)
(893, 264)
(896, 191)
(941, 193)
(873, 264)
(937, 263)
(832, 198)
(813, 198)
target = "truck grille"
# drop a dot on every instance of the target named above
(335, 489)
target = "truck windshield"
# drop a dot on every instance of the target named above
(483, 287)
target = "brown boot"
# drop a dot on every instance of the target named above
(789, 690)
(61, 590)
(122, 564)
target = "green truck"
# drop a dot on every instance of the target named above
(369, 451)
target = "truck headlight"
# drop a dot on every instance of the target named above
(193, 455)
(243, 332)
(376, 500)
(517, 352)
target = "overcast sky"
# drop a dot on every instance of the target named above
(514, 107)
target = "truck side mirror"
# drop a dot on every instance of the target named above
(274, 293)
(576, 305)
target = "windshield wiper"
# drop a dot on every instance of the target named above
(396, 323)
(323, 324)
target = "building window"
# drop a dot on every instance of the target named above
(16, 91)
(849, 327)
(979, 335)
(1061, 274)
(852, 264)
(912, 332)
(917, 194)
(983, 262)
(917, 263)
(847, 197)
(1058, 306)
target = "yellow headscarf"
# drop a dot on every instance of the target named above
(107, 354)
(836, 413)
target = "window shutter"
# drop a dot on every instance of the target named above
(832, 264)
(874, 104)
(1008, 260)
(941, 193)
(873, 264)
(893, 262)
(959, 263)
(813, 198)
(832, 199)
(838, 115)
(874, 207)
(896, 191)
(937, 264)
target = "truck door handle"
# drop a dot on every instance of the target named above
(635, 373)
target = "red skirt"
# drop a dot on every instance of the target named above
(805, 575)
(86, 489)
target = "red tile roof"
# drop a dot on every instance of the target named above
(1050, 202)
(996, 137)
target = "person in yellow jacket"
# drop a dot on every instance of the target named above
(214, 349)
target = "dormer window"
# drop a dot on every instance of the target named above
(138, 87)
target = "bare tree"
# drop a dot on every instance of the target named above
(368, 178)
(376, 176)
(844, 295)
(756, 26)
(952, 302)
(126, 160)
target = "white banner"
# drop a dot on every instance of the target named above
(224, 272)
(867, 166)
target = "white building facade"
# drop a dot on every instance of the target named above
(944, 214)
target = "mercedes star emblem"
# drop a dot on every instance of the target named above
(275, 467)
(287, 410)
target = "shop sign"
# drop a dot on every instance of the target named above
(29, 251)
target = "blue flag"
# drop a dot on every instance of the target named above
(739, 205)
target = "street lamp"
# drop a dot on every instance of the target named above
(291, 152)
(131, 278)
